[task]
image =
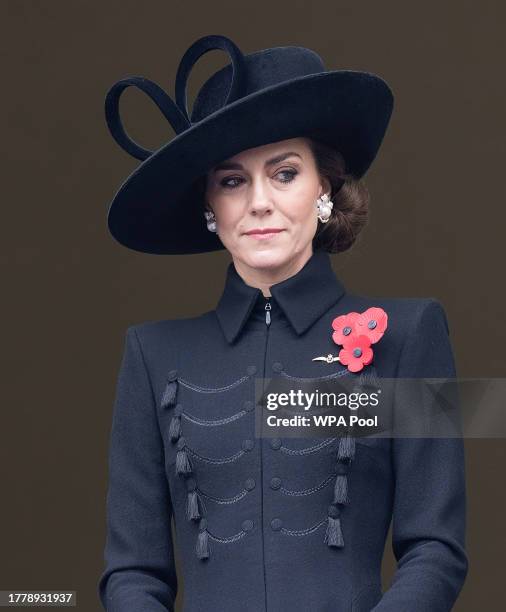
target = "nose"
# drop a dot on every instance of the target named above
(259, 198)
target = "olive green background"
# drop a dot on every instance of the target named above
(70, 292)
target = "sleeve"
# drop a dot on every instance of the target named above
(139, 571)
(429, 512)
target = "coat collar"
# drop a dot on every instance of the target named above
(303, 297)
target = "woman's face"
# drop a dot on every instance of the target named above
(274, 186)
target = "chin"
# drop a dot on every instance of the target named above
(267, 258)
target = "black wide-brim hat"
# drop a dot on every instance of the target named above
(259, 98)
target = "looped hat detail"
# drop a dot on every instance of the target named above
(175, 113)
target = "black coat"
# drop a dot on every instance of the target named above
(252, 514)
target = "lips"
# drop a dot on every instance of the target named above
(267, 230)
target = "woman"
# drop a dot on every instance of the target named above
(269, 167)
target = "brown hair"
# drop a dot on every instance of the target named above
(351, 200)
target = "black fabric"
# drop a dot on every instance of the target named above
(300, 299)
(267, 523)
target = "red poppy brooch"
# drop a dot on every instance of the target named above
(355, 332)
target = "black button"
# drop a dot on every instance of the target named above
(203, 524)
(247, 525)
(275, 443)
(333, 511)
(276, 524)
(277, 366)
(191, 485)
(247, 445)
(252, 369)
(341, 468)
(172, 375)
(275, 482)
(250, 484)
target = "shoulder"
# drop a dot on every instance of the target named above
(417, 335)
(159, 344)
(166, 335)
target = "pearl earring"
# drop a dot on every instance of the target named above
(324, 205)
(210, 220)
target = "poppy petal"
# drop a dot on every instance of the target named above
(355, 366)
(367, 356)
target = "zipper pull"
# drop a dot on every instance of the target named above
(268, 308)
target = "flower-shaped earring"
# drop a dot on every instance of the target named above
(324, 205)
(210, 220)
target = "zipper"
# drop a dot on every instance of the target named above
(267, 308)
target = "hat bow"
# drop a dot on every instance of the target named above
(176, 112)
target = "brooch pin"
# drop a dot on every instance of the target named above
(355, 332)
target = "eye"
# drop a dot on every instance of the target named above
(231, 182)
(290, 173)
(225, 182)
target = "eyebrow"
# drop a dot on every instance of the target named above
(269, 162)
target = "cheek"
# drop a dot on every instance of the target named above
(302, 199)
(300, 209)
(228, 214)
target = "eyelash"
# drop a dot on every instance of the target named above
(224, 182)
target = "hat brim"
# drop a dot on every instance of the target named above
(151, 211)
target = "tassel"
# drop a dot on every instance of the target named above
(169, 395)
(175, 428)
(333, 534)
(341, 489)
(183, 465)
(175, 423)
(202, 546)
(369, 378)
(192, 506)
(346, 448)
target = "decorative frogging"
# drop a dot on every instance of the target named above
(195, 506)
(194, 510)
